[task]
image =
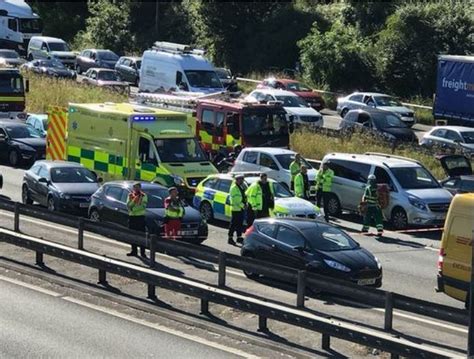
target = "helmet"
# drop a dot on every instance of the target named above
(372, 178)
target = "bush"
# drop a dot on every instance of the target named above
(317, 145)
(47, 91)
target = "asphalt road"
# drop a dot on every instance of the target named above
(43, 325)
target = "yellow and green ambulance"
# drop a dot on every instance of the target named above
(126, 141)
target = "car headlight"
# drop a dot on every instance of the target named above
(64, 196)
(178, 180)
(337, 265)
(379, 265)
(415, 202)
(24, 147)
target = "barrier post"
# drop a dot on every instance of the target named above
(262, 324)
(326, 342)
(39, 259)
(80, 233)
(204, 307)
(301, 289)
(152, 240)
(16, 217)
(222, 272)
(102, 277)
(388, 322)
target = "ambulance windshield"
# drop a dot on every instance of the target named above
(180, 150)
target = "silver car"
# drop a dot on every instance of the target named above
(380, 101)
(451, 137)
(416, 197)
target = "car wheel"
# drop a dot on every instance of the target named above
(248, 274)
(94, 215)
(344, 112)
(78, 69)
(30, 57)
(206, 211)
(51, 204)
(399, 218)
(14, 158)
(334, 205)
(25, 196)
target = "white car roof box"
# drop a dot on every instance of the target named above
(177, 48)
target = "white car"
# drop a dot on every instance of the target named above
(275, 162)
(212, 199)
(294, 105)
(362, 100)
(450, 137)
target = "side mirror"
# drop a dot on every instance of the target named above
(27, 85)
(100, 179)
(2, 138)
(299, 249)
(43, 180)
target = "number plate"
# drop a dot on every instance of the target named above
(188, 233)
(369, 281)
(83, 205)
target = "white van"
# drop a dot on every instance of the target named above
(177, 68)
(45, 47)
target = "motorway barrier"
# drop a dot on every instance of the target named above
(210, 294)
(307, 280)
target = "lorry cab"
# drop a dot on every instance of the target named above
(454, 263)
(125, 141)
(169, 67)
(222, 125)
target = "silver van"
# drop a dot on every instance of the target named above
(416, 197)
(44, 47)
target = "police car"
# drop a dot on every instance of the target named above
(213, 200)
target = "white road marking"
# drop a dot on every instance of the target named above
(30, 286)
(160, 328)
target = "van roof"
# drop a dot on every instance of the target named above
(373, 159)
(464, 203)
(48, 39)
(126, 109)
(270, 150)
(186, 61)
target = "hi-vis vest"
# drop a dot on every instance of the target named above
(255, 195)
(137, 207)
(173, 209)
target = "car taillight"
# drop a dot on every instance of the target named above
(249, 230)
(441, 256)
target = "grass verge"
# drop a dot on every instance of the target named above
(48, 91)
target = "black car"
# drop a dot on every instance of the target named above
(59, 185)
(89, 58)
(109, 204)
(460, 178)
(10, 58)
(228, 81)
(385, 123)
(53, 68)
(314, 246)
(128, 69)
(20, 143)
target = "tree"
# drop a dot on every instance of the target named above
(108, 26)
(414, 36)
(339, 58)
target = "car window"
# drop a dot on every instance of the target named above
(114, 193)
(290, 237)
(354, 171)
(356, 98)
(219, 124)
(224, 185)
(35, 169)
(208, 120)
(210, 183)
(329, 238)
(146, 152)
(268, 229)
(452, 135)
(439, 133)
(414, 178)
(43, 172)
(250, 157)
(383, 177)
(467, 186)
(451, 183)
(267, 161)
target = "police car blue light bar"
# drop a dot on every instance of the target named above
(143, 118)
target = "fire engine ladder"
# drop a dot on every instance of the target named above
(183, 103)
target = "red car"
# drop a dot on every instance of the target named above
(313, 98)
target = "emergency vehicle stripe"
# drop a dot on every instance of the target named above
(12, 99)
(56, 133)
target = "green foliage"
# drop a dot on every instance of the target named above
(108, 27)
(408, 46)
(339, 57)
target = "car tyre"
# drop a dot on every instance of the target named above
(344, 112)
(248, 274)
(206, 211)
(399, 218)
(51, 204)
(94, 215)
(25, 196)
(78, 69)
(334, 206)
(14, 158)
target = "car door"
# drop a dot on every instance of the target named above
(438, 138)
(355, 102)
(221, 205)
(30, 180)
(454, 138)
(270, 167)
(249, 162)
(113, 208)
(42, 188)
(288, 248)
(126, 70)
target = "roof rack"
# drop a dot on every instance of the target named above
(378, 154)
(173, 48)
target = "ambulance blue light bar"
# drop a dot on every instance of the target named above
(143, 118)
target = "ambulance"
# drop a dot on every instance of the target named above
(126, 141)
